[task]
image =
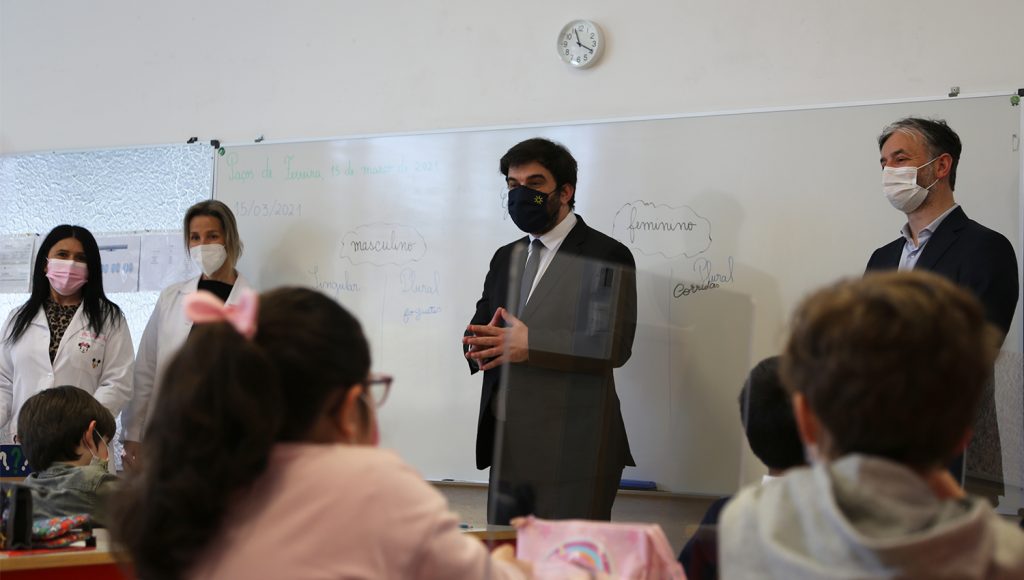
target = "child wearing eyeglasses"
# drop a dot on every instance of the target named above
(262, 462)
(63, 433)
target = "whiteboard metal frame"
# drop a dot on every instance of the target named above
(660, 117)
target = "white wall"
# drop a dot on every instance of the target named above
(117, 72)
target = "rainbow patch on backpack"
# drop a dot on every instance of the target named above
(586, 554)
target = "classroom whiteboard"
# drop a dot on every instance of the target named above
(401, 228)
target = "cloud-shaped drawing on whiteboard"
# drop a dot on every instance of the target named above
(671, 231)
(383, 244)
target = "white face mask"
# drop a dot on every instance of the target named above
(209, 257)
(97, 461)
(899, 184)
(102, 464)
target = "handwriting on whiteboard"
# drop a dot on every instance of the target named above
(288, 168)
(657, 229)
(707, 278)
(383, 244)
(411, 284)
(267, 209)
(331, 286)
(416, 314)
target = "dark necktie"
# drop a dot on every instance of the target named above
(529, 274)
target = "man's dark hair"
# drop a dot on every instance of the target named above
(552, 156)
(892, 364)
(937, 137)
(52, 422)
(767, 415)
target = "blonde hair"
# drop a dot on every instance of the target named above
(219, 210)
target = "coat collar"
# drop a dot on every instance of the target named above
(241, 283)
(77, 324)
(942, 238)
(556, 270)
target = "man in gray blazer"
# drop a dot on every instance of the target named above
(559, 308)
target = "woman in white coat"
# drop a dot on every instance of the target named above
(211, 236)
(67, 333)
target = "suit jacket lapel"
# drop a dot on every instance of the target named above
(559, 265)
(942, 238)
(892, 254)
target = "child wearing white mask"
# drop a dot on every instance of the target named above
(64, 433)
(885, 373)
(211, 236)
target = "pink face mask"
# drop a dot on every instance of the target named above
(66, 276)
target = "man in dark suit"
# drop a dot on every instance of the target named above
(919, 160)
(559, 311)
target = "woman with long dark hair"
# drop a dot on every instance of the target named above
(261, 462)
(211, 237)
(67, 332)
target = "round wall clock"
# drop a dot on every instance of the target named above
(580, 43)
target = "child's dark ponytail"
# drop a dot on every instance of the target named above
(225, 401)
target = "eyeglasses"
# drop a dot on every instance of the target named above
(377, 386)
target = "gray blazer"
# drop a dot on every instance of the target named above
(563, 418)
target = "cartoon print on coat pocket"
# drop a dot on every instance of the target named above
(91, 350)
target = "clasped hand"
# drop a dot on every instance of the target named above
(492, 345)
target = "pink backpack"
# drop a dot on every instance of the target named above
(587, 549)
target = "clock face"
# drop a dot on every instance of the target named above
(580, 43)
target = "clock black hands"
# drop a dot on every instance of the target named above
(580, 44)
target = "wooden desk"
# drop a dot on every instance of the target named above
(98, 563)
(493, 536)
(496, 533)
(102, 564)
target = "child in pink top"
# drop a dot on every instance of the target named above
(261, 463)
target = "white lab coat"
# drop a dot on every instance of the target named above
(99, 364)
(165, 332)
